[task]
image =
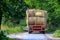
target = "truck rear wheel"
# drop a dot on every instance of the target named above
(30, 31)
(43, 32)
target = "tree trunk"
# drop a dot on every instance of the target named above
(0, 18)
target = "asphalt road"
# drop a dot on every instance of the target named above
(27, 36)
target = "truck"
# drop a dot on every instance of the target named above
(36, 20)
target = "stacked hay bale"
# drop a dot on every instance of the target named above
(36, 17)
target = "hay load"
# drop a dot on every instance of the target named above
(31, 20)
(36, 17)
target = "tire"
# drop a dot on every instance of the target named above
(43, 32)
(30, 32)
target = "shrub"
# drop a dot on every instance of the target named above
(16, 29)
(10, 30)
(50, 29)
(57, 33)
(3, 36)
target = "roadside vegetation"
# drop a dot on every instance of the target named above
(57, 34)
(11, 30)
(49, 29)
(3, 36)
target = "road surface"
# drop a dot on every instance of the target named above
(27, 36)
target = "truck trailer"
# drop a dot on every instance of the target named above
(36, 20)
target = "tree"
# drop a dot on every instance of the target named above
(51, 6)
(14, 10)
(1, 10)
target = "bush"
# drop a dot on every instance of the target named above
(3, 36)
(57, 33)
(10, 30)
(50, 29)
(16, 29)
(10, 24)
(23, 22)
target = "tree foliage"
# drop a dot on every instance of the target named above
(13, 10)
(51, 6)
(3, 36)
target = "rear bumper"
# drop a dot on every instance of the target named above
(37, 29)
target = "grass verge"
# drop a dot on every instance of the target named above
(11, 30)
(57, 34)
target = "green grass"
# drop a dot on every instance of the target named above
(23, 22)
(10, 30)
(49, 29)
(57, 34)
(8, 39)
(3, 36)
